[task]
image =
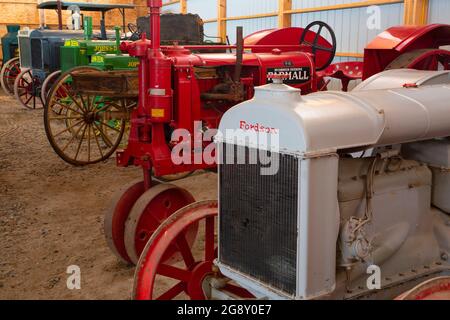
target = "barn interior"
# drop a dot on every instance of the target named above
(114, 175)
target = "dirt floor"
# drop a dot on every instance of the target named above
(51, 215)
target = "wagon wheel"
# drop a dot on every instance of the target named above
(116, 215)
(181, 277)
(152, 208)
(8, 75)
(422, 59)
(82, 128)
(27, 90)
(48, 83)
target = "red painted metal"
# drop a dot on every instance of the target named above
(189, 278)
(171, 88)
(344, 71)
(396, 41)
(117, 215)
(149, 211)
(433, 289)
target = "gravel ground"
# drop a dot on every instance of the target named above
(51, 215)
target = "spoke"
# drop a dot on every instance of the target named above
(71, 139)
(71, 97)
(209, 239)
(185, 250)
(96, 140)
(66, 106)
(65, 118)
(28, 100)
(172, 292)
(68, 128)
(106, 124)
(81, 141)
(174, 272)
(104, 137)
(89, 143)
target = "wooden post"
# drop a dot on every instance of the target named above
(221, 19)
(415, 12)
(183, 6)
(284, 18)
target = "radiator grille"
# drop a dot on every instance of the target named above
(36, 54)
(24, 51)
(258, 219)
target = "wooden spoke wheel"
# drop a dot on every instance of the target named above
(422, 59)
(157, 279)
(8, 75)
(151, 209)
(27, 90)
(116, 216)
(48, 83)
(82, 128)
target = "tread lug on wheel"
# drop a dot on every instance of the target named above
(151, 209)
(158, 279)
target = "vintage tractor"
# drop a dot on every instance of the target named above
(10, 67)
(302, 216)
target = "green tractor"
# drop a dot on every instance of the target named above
(86, 126)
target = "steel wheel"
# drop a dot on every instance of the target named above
(433, 289)
(82, 129)
(422, 59)
(149, 211)
(27, 90)
(48, 83)
(8, 75)
(180, 279)
(116, 215)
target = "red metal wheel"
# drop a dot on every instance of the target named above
(423, 59)
(116, 215)
(183, 277)
(150, 210)
(8, 75)
(27, 90)
(433, 289)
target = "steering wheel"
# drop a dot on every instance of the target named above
(135, 32)
(315, 44)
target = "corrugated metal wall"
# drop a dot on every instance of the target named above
(439, 11)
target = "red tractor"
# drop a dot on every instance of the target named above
(182, 90)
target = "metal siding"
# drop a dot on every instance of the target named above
(349, 25)
(172, 8)
(250, 7)
(250, 26)
(206, 9)
(210, 31)
(439, 11)
(302, 4)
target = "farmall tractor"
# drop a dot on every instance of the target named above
(308, 230)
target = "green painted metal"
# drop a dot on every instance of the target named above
(104, 54)
(9, 43)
